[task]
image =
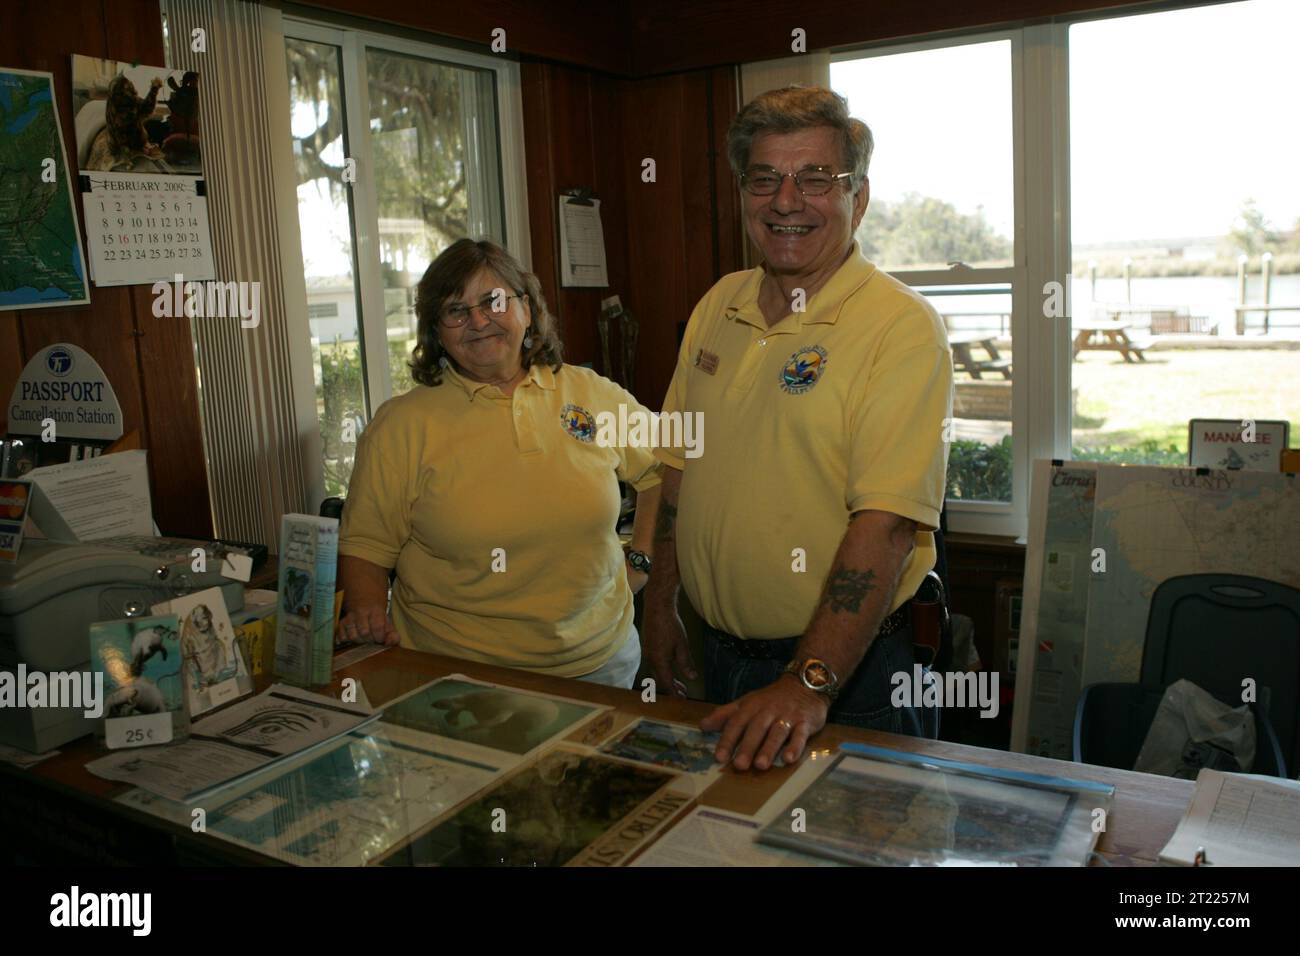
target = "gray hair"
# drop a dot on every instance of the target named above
(795, 108)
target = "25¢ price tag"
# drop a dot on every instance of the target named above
(142, 730)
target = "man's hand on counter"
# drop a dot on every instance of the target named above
(367, 624)
(776, 719)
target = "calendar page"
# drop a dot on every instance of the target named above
(144, 229)
(143, 195)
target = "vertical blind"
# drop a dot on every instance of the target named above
(256, 431)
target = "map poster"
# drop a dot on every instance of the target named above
(1058, 568)
(1154, 524)
(140, 154)
(41, 261)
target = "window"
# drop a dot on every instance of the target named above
(400, 149)
(1186, 206)
(941, 218)
(1092, 193)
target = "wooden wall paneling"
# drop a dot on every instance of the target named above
(540, 173)
(571, 145)
(164, 347)
(616, 174)
(724, 89)
(690, 34)
(571, 31)
(105, 327)
(12, 360)
(150, 365)
(571, 131)
(657, 228)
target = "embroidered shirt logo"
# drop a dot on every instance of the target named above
(578, 422)
(803, 370)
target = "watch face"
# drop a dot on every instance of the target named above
(816, 674)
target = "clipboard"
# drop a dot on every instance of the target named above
(582, 240)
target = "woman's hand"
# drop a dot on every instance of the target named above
(369, 623)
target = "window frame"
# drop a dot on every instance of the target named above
(512, 207)
(1040, 396)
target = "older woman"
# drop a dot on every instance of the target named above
(486, 489)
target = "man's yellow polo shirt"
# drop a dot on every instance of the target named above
(499, 515)
(837, 409)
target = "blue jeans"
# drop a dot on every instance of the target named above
(863, 700)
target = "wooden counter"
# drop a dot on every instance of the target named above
(58, 797)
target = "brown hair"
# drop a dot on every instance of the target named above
(795, 108)
(446, 279)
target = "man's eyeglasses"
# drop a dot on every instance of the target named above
(811, 180)
(455, 316)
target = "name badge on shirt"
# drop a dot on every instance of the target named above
(706, 362)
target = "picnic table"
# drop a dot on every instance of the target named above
(1108, 335)
(963, 359)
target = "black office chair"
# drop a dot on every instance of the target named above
(1214, 630)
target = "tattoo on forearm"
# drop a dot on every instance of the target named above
(665, 521)
(846, 588)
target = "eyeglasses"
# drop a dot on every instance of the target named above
(811, 180)
(457, 315)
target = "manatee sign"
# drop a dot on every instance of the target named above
(62, 382)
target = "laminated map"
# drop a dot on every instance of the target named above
(41, 259)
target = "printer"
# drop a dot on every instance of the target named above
(56, 590)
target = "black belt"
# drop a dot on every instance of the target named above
(782, 648)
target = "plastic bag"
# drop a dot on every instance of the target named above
(1193, 730)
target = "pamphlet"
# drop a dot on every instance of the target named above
(1239, 820)
(304, 639)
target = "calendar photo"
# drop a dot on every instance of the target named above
(136, 119)
(143, 194)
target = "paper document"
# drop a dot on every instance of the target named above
(1241, 820)
(232, 743)
(582, 244)
(712, 837)
(94, 498)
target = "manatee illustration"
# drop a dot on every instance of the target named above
(144, 646)
(141, 696)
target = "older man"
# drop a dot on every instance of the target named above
(806, 526)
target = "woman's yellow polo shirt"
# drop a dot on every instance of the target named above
(499, 514)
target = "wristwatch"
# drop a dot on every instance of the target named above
(639, 560)
(817, 676)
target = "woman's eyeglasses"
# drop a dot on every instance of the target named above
(455, 316)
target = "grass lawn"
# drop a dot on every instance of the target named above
(1123, 404)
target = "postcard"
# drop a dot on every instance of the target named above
(677, 746)
(500, 719)
(215, 671)
(565, 808)
(140, 659)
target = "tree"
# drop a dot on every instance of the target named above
(923, 230)
(1252, 233)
